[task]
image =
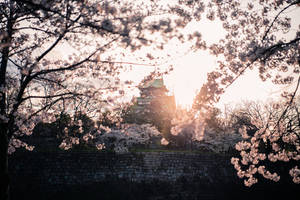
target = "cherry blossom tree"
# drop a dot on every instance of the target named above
(261, 35)
(257, 39)
(48, 48)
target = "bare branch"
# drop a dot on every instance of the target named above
(50, 48)
(50, 96)
(121, 62)
(34, 28)
(13, 62)
(73, 66)
(47, 106)
(268, 30)
(290, 102)
(20, 51)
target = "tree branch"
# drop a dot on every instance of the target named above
(50, 48)
(290, 102)
(270, 49)
(13, 62)
(20, 51)
(73, 66)
(50, 96)
(121, 62)
(268, 30)
(34, 28)
(47, 107)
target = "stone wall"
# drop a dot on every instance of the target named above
(69, 168)
(149, 174)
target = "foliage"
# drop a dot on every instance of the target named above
(194, 132)
(214, 121)
(62, 122)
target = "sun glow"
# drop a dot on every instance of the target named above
(188, 76)
(190, 71)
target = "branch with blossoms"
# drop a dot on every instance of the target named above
(118, 140)
(273, 148)
(275, 143)
(252, 41)
(291, 101)
(276, 17)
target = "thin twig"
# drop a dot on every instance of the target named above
(290, 102)
(268, 30)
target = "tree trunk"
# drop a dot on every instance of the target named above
(4, 126)
(4, 177)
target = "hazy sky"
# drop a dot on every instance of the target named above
(190, 69)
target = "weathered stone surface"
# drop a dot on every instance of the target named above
(150, 175)
(83, 167)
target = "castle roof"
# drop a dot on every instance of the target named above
(156, 83)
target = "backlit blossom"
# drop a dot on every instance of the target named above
(295, 174)
(243, 132)
(100, 146)
(250, 181)
(271, 136)
(242, 146)
(164, 141)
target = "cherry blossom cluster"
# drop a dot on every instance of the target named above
(188, 124)
(119, 140)
(16, 143)
(295, 174)
(70, 139)
(275, 141)
(67, 143)
(128, 135)
(219, 142)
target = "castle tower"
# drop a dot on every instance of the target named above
(155, 92)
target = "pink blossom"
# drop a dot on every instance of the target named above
(164, 141)
(295, 174)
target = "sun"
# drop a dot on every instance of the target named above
(184, 96)
(188, 77)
